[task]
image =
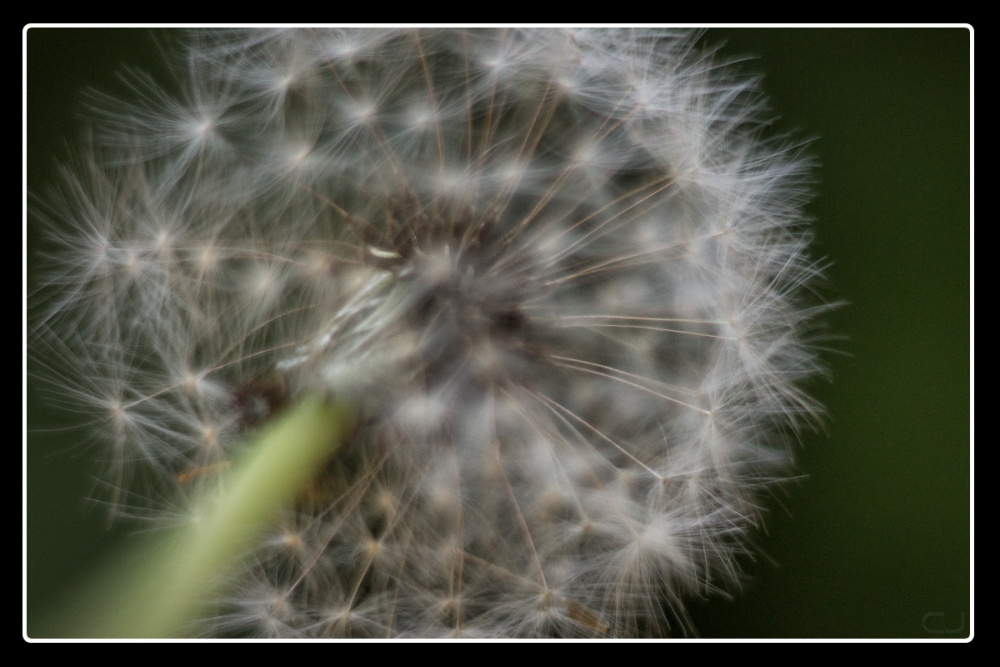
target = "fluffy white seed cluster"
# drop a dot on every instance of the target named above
(557, 272)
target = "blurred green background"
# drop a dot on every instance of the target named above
(874, 539)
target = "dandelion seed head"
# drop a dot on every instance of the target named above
(558, 272)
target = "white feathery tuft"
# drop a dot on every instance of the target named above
(559, 271)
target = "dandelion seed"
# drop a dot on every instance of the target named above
(558, 272)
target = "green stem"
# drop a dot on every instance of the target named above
(163, 585)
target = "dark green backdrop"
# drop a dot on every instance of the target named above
(874, 541)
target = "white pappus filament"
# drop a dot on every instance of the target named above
(559, 272)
